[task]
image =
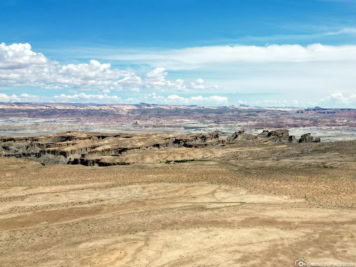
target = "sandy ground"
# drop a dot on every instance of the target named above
(190, 214)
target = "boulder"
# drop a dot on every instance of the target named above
(306, 138)
(279, 136)
(292, 139)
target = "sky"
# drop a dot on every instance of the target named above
(272, 53)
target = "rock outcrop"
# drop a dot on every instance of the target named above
(292, 139)
(240, 135)
(119, 149)
(308, 138)
(91, 148)
(282, 136)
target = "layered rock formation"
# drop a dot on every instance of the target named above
(282, 136)
(97, 149)
(307, 138)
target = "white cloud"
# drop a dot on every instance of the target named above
(339, 99)
(19, 56)
(306, 74)
(18, 98)
(96, 76)
(195, 57)
(333, 100)
(8, 98)
(263, 54)
(87, 98)
(179, 100)
(113, 99)
(342, 31)
(63, 98)
(156, 79)
(20, 66)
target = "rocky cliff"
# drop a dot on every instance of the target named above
(98, 149)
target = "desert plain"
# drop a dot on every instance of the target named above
(241, 202)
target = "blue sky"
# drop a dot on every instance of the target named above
(267, 53)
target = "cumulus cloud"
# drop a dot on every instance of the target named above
(18, 98)
(193, 100)
(114, 99)
(19, 56)
(63, 98)
(283, 71)
(287, 71)
(87, 98)
(339, 99)
(8, 98)
(20, 66)
(96, 76)
(156, 79)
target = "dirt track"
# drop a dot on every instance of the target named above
(210, 213)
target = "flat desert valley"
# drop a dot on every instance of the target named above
(177, 199)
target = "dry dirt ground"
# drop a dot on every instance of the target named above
(249, 206)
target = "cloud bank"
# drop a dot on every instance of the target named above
(298, 75)
(20, 66)
(196, 57)
(293, 75)
(114, 99)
